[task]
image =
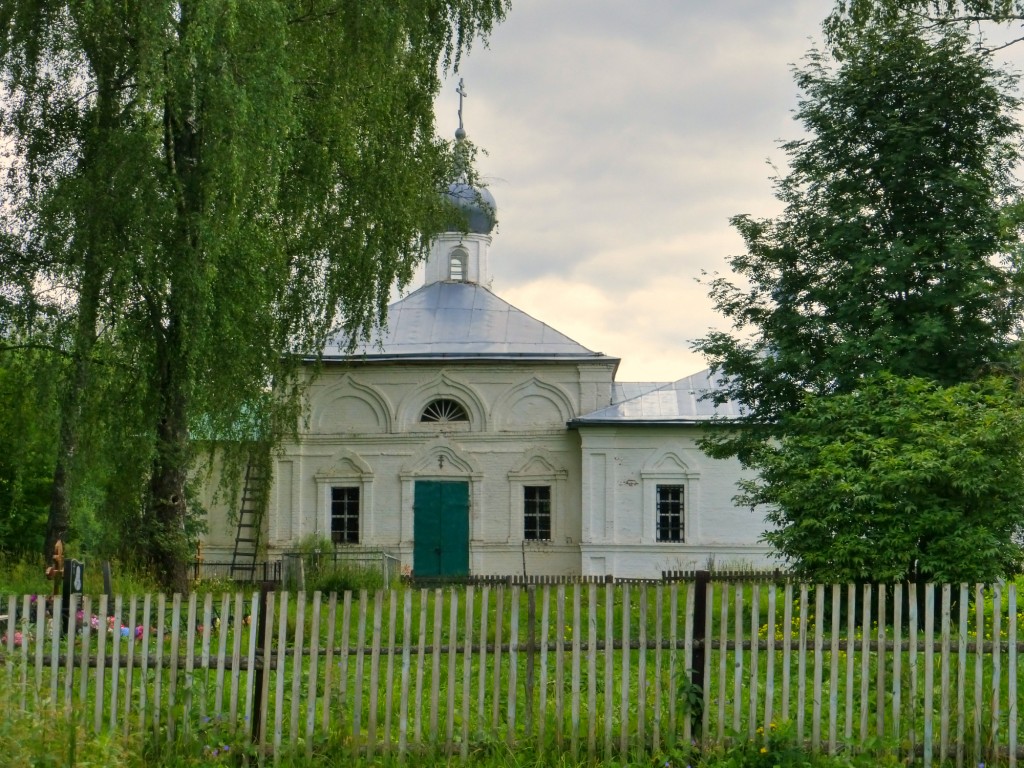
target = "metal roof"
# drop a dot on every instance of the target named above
(462, 320)
(680, 402)
(627, 390)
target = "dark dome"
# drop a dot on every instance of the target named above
(476, 204)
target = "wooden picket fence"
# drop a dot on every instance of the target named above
(593, 669)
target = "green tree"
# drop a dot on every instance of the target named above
(27, 446)
(888, 284)
(901, 479)
(894, 250)
(850, 16)
(217, 187)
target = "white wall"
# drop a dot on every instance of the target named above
(363, 429)
(622, 467)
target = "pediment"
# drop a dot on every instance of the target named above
(668, 462)
(345, 464)
(538, 464)
(440, 459)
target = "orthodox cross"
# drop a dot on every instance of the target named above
(461, 90)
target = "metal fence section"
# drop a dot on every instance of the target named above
(296, 566)
(212, 570)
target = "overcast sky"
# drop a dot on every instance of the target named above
(621, 136)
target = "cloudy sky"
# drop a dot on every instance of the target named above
(621, 136)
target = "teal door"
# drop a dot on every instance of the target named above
(441, 528)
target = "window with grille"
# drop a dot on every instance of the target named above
(537, 512)
(442, 411)
(345, 515)
(670, 512)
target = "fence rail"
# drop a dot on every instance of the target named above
(591, 668)
(206, 570)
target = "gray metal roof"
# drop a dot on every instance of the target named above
(679, 402)
(462, 320)
(627, 390)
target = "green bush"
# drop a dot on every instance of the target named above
(325, 574)
(344, 578)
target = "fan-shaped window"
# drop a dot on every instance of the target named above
(442, 411)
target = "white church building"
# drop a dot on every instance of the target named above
(473, 439)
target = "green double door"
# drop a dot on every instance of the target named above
(441, 528)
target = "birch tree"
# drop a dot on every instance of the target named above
(218, 187)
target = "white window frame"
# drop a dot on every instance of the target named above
(518, 481)
(682, 516)
(325, 484)
(650, 480)
(551, 511)
(358, 515)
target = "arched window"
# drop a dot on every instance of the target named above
(457, 265)
(442, 411)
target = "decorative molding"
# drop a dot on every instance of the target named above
(438, 459)
(347, 386)
(414, 402)
(532, 387)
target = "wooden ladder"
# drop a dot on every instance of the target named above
(250, 522)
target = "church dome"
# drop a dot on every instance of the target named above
(476, 204)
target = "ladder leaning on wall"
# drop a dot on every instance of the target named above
(253, 504)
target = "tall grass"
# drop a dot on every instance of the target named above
(27, 576)
(44, 739)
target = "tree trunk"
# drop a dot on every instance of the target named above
(167, 504)
(180, 304)
(93, 240)
(75, 385)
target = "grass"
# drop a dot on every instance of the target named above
(488, 741)
(42, 740)
(27, 576)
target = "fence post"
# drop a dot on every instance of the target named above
(531, 649)
(261, 663)
(699, 628)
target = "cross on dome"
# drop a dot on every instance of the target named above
(460, 132)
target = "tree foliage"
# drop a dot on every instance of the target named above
(212, 189)
(900, 479)
(896, 248)
(849, 17)
(27, 436)
(865, 311)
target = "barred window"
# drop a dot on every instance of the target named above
(345, 515)
(670, 512)
(537, 512)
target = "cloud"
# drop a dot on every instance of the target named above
(621, 138)
(622, 324)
